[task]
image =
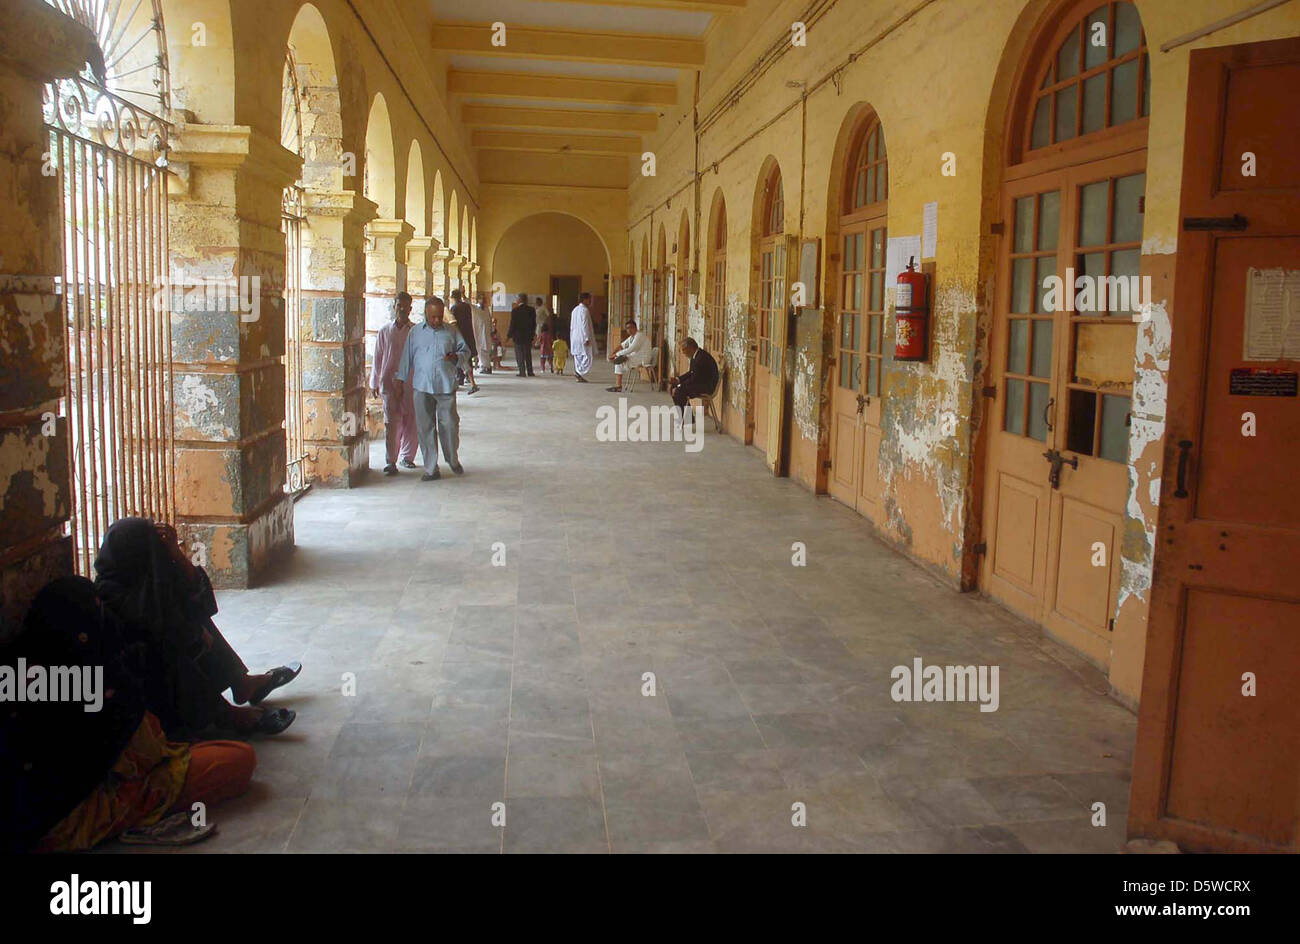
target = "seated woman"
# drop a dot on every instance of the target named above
(71, 777)
(166, 603)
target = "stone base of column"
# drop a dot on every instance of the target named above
(240, 554)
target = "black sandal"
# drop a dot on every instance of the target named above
(281, 675)
(274, 721)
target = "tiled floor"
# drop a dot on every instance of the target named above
(522, 684)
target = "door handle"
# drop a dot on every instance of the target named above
(1051, 402)
(1184, 450)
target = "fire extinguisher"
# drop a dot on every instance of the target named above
(913, 315)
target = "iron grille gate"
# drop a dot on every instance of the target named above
(291, 219)
(107, 154)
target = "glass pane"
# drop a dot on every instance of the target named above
(1049, 220)
(860, 190)
(1092, 213)
(1042, 353)
(877, 291)
(846, 373)
(1041, 135)
(848, 253)
(1094, 103)
(1013, 419)
(1128, 216)
(1090, 264)
(1038, 414)
(1083, 416)
(846, 330)
(1114, 428)
(848, 294)
(1096, 38)
(1128, 29)
(857, 292)
(882, 183)
(1123, 93)
(873, 334)
(855, 376)
(1046, 269)
(1022, 286)
(871, 146)
(855, 339)
(880, 143)
(1048, 77)
(1067, 59)
(1103, 354)
(1065, 112)
(873, 376)
(878, 249)
(1017, 346)
(1123, 298)
(1146, 86)
(871, 182)
(1024, 238)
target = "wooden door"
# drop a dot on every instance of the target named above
(771, 262)
(856, 403)
(1217, 764)
(785, 261)
(1063, 364)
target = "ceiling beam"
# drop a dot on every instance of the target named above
(692, 6)
(571, 88)
(531, 42)
(568, 119)
(556, 143)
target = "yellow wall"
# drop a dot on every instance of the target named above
(549, 244)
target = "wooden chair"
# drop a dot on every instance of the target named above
(710, 410)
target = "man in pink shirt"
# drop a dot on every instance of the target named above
(399, 399)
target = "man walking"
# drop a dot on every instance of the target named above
(464, 318)
(483, 333)
(428, 364)
(523, 328)
(399, 405)
(580, 343)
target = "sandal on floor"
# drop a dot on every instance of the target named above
(281, 675)
(174, 830)
(274, 721)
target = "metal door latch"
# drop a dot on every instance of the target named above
(1057, 459)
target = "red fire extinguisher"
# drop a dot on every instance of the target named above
(913, 315)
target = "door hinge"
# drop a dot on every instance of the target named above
(1234, 222)
(980, 548)
(1110, 625)
(826, 464)
(990, 392)
(997, 229)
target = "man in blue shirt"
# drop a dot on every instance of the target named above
(433, 352)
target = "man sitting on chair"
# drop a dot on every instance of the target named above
(631, 354)
(699, 381)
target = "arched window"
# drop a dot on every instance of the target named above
(867, 180)
(862, 262)
(1097, 78)
(774, 211)
(771, 288)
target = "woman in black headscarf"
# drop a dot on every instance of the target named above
(166, 603)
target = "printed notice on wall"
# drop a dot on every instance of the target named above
(929, 230)
(898, 250)
(1272, 315)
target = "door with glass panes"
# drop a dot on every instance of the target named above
(1063, 361)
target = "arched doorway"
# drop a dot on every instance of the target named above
(292, 217)
(715, 291)
(769, 300)
(682, 293)
(1061, 357)
(863, 212)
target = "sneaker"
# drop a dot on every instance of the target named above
(458, 468)
(408, 464)
(430, 476)
(390, 470)
(472, 390)
(613, 389)
(582, 379)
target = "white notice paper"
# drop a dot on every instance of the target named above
(929, 230)
(1271, 329)
(898, 250)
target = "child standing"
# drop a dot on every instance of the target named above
(560, 349)
(497, 350)
(544, 342)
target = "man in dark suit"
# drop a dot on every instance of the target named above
(700, 379)
(523, 328)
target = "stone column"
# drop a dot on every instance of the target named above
(473, 279)
(386, 275)
(442, 272)
(419, 266)
(37, 44)
(334, 336)
(228, 378)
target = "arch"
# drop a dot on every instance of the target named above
(464, 231)
(191, 67)
(535, 273)
(453, 225)
(380, 181)
(417, 206)
(312, 52)
(715, 276)
(437, 208)
(473, 240)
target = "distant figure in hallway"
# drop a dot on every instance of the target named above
(561, 351)
(523, 328)
(433, 351)
(545, 348)
(463, 315)
(544, 316)
(631, 354)
(700, 380)
(498, 349)
(580, 342)
(483, 333)
(399, 411)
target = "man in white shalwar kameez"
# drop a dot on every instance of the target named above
(581, 344)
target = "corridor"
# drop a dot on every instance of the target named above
(523, 684)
